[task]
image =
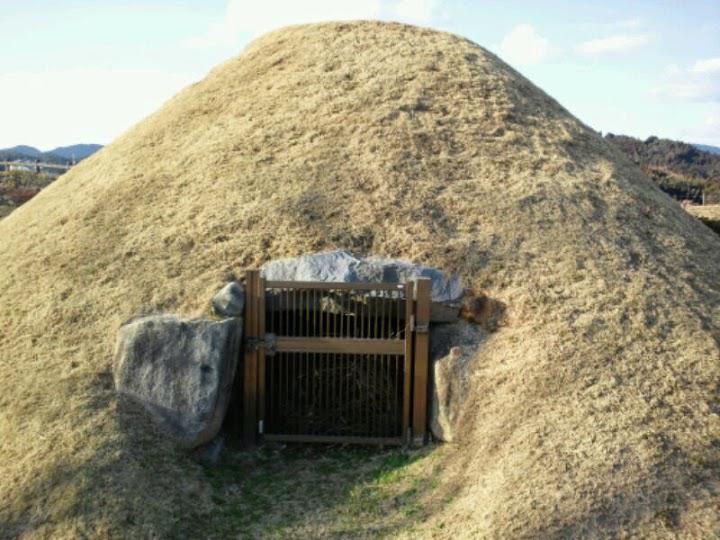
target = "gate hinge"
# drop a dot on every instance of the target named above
(267, 343)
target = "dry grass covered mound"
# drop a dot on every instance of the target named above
(595, 408)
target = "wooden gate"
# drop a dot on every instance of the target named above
(335, 362)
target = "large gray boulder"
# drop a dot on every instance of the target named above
(229, 301)
(453, 353)
(181, 371)
(344, 267)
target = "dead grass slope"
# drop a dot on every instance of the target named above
(596, 409)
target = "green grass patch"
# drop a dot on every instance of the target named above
(280, 491)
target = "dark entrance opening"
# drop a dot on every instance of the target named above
(335, 362)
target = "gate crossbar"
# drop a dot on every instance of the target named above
(339, 345)
(325, 285)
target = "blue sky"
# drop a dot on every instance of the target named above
(85, 71)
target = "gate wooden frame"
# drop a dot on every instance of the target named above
(414, 349)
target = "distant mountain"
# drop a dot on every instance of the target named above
(680, 169)
(78, 151)
(708, 148)
(24, 150)
(62, 154)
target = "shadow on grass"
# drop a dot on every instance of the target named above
(124, 478)
(119, 478)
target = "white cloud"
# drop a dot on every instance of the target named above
(83, 105)
(618, 43)
(246, 18)
(523, 46)
(422, 11)
(629, 24)
(689, 90)
(673, 70)
(709, 65)
(712, 125)
(706, 133)
(699, 82)
(252, 17)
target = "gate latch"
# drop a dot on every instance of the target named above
(422, 328)
(267, 343)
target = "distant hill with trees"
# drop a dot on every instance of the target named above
(78, 151)
(62, 154)
(682, 170)
(708, 148)
(18, 187)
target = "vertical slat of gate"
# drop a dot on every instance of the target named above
(409, 289)
(420, 387)
(260, 322)
(250, 360)
(270, 367)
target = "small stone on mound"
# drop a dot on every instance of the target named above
(229, 301)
